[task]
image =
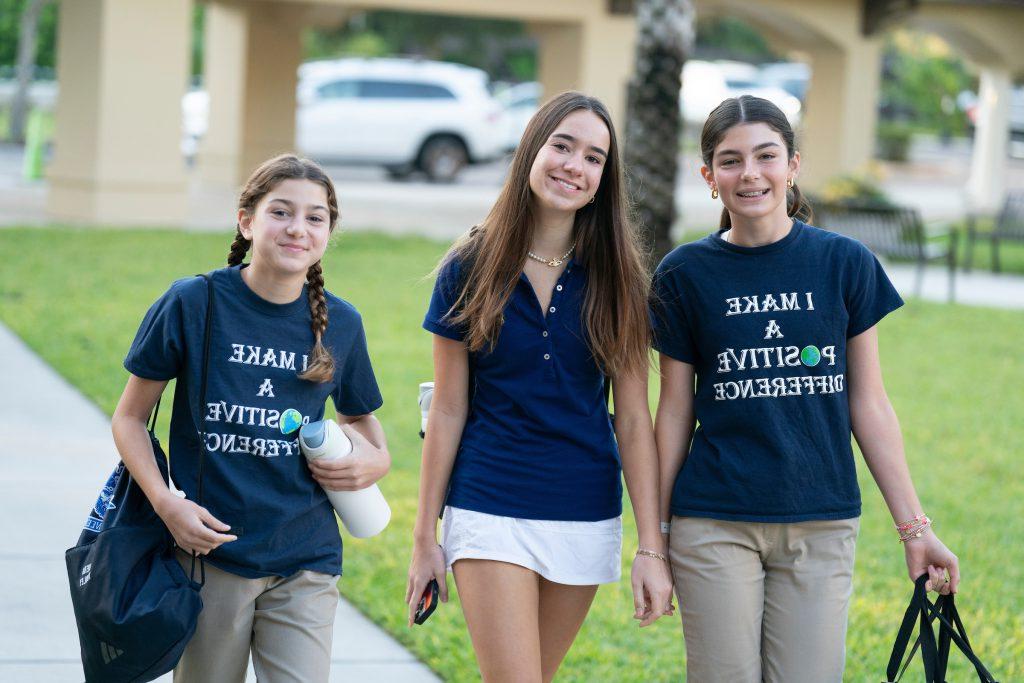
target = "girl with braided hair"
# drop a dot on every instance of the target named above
(280, 345)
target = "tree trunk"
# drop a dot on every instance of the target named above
(665, 35)
(26, 66)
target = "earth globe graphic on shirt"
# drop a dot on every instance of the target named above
(290, 421)
(810, 356)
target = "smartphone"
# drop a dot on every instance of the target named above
(427, 603)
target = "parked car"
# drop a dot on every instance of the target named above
(793, 77)
(706, 84)
(520, 102)
(403, 114)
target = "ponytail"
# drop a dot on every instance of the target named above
(798, 207)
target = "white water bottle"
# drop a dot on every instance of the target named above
(426, 394)
(364, 512)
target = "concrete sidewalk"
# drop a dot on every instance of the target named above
(55, 453)
(977, 288)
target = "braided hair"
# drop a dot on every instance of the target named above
(264, 179)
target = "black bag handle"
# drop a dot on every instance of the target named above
(205, 371)
(935, 655)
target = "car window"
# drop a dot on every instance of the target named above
(337, 90)
(525, 101)
(404, 90)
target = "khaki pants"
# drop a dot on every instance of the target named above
(763, 602)
(287, 623)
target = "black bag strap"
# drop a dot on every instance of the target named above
(935, 655)
(951, 629)
(204, 375)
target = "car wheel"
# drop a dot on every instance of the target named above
(442, 158)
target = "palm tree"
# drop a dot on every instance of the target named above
(665, 36)
(26, 66)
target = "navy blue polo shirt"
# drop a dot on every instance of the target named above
(255, 479)
(538, 442)
(766, 330)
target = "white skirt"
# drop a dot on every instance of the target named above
(573, 553)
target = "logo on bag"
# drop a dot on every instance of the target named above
(104, 502)
(109, 652)
(86, 575)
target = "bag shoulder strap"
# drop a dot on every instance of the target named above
(204, 376)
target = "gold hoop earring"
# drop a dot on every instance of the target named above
(789, 183)
(714, 193)
(592, 199)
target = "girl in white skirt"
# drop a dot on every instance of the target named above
(536, 313)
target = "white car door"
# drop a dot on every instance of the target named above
(320, 126)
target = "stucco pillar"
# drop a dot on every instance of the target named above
(252, 54)
(594, 56)
(123, 68)
(840, 112)
(987, 183)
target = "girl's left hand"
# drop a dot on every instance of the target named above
(928, 554)
(363, 466)
(652, 589)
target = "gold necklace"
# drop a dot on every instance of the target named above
(553, 262)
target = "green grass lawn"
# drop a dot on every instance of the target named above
(954, 374)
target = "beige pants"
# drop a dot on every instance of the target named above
(287, 623)
(763, 602)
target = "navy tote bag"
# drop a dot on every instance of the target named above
(135, 606)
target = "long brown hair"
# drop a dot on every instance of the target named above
(750, 109)
(260, 183)
(493, 253)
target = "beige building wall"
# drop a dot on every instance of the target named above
(123, 69)
(253, 51)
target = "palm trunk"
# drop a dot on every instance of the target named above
(665, 34)
(26, 66)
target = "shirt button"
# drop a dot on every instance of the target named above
(559, 288)
(544, 333)
(547, 356)
(551, 310)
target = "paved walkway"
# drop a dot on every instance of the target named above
(55, 453)
(978, 288)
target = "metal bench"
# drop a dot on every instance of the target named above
(1009, 226)
(892, 232)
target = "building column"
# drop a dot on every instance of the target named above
(594, 56)
(837, 131)
(123, 68)
(252, 55)
(986, 185)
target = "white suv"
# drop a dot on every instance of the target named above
(403, 114)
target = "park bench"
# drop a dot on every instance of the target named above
(892, 232)
(1009, 226)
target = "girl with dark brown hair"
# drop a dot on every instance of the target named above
(767, 331)
(535, 313)
(280, 345)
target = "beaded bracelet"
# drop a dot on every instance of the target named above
(919, 519)
(910, 531)
(650, 553)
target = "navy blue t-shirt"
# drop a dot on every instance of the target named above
(255, 478)
(538, 443)
(765, 329)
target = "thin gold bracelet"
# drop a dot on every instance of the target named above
(651, 553)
